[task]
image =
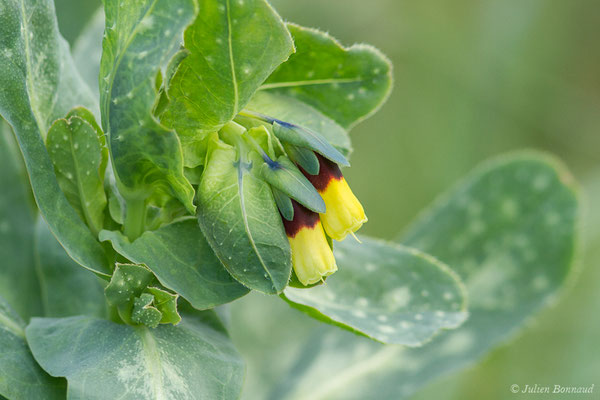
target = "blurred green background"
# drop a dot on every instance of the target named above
(473, 79)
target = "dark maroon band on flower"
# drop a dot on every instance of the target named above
(303, 218)
(328, 171)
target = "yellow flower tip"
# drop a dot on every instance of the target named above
(344, 214)
(312, 258)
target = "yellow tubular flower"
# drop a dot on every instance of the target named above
(312, 257)
(344, 212)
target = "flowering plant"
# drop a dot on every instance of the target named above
(208, 165)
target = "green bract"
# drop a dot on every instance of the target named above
(203, 172)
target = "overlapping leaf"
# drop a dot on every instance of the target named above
(231, 48)
(182, 260)
(140, 37)
(40, 84)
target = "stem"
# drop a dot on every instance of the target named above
(135, 218)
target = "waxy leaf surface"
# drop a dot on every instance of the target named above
(232, 47)
(76, 148)
(65, 288)
(509, 232)
(22, 377)
(39, 85)
(346, 84)
(239, 218)
(183, 261)
(18, 281)
(189, 361)
(387, 292)
(140, 37)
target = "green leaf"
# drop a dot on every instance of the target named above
(189, 361)
(87, 51)
(509, 230)
(182, 260)
(76, 150)
(144, 312)
(166, 303)
(232, 48)
(348, 84)
(22, 377)
(285, 176)
(392, 294)
(18, 281)
(240, 221)
(40, 84)
(294, 111)
(140, 37)
(66, 288)
(128, 281)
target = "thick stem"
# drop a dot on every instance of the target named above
(135, 218)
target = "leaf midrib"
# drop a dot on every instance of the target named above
(152, 361)
(231, 62)
(276, 85)
(12, 326)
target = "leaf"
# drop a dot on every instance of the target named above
(232, 47)
(66, 288)
(392, 294)
(166, 303)
(128, 281)
(144, 312)
(189, 361)
(40, 84)
(239, 219)
(22, 377)
(291, 110)
(182, 260)
(509, 229)
(140, 37)
(76, 150)
(347, 84)
(18, 281)
(87, 51)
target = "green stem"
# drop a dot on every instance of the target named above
(135, 218)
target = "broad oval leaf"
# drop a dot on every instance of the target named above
(18, 281)
(509, 231)
(189, 361)
(239, 218)
(346, 84)
(232, 47)
(390, 293)
(76, 148)
(65, 288)
(182, 260)
(40, 84)
(294, 111)
(22, 377)
(140, 37)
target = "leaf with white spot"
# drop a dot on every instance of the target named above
(140, 37)
(239, 218)
(232, 47)
(192, 360)
(509, 232)
(77, 149)
(22, 377)
(390, 293)
(40, 84)
(183, 261)
(347, 84)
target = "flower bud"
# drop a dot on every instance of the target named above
(312, 258)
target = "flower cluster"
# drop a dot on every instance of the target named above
(314, 200)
